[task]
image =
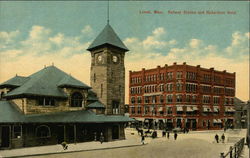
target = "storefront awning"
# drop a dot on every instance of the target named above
(189, 109)
(229, 109)
(179, 108)
(207, 109)
(216, 109)
(160, 108)
(217, 121)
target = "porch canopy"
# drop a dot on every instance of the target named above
(9, 113)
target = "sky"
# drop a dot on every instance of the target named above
(211, 34)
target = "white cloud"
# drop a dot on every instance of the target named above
(70, 55)
(58, 39)
(7, 38)
(87, 30)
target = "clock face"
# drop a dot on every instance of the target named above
(115, 59)
(99, 58)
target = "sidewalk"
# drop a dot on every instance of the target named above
(133, 140)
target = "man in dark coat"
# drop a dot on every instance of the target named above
(142, 139)
(168, 135)
(217, 138)
(223, 138)
(175, 135)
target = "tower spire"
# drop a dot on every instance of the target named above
(108, 13)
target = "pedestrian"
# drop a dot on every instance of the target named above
(168, 135)
(101, 138)
(217, 138)
(64, 145)
(175, 135)
(223, 138)
(225, 129)
(142, 139)
(163, 133)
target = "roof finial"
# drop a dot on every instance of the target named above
(52, 63)
(44, 66)
(108, 12)
(16, 74)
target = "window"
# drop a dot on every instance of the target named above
(170, 87)
(132, 100)
(115, 107)
(194, 98)
(146, 109)
(1, 96)
(169, 75)
(169, 98)
(161, 99)
(94, 77)
(132, 110)
(161, 87)
(76, 99)
(179, 98)
(206, 99)
(178, 87)
(43, 131)
(188, 98)
(169, 110)
(139, 109)
(179, 75)
(17, 131)
(146, 99)
(46, 101)
(154, 99)
(191, 75)
(216, 100)
(138, 100)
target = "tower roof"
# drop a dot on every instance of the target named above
(107, 36)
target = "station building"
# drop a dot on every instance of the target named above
(51, 106)
(182, 96)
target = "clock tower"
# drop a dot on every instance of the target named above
(107, 74)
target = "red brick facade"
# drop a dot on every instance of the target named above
(182, 96)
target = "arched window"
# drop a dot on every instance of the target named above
(76, 99)
(43, 131)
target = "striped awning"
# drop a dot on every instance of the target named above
(207, 109)
(179, 108)
(216, 109)
(217, 121)
(229, 109)
(160, 108)
(189, 109)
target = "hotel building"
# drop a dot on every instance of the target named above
(182, 96)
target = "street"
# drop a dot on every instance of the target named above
(192, 145)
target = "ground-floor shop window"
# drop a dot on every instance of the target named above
(17, 131)
(43, 131)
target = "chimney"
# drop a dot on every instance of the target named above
(198, 66)
(184, 63)
(175, 63)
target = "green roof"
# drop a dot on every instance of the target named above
(92, 96)
(10, 114)
(69, 81)
(14, 82)
(96, 104)
(107, 36)
(45, 83)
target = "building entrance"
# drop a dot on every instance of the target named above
(5, 137)
(115, 132)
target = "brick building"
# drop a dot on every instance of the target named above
(50, 106)
(182, 96)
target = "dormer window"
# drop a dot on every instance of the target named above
(46, 101)
(76, 100)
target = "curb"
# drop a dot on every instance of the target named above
(52, 153)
